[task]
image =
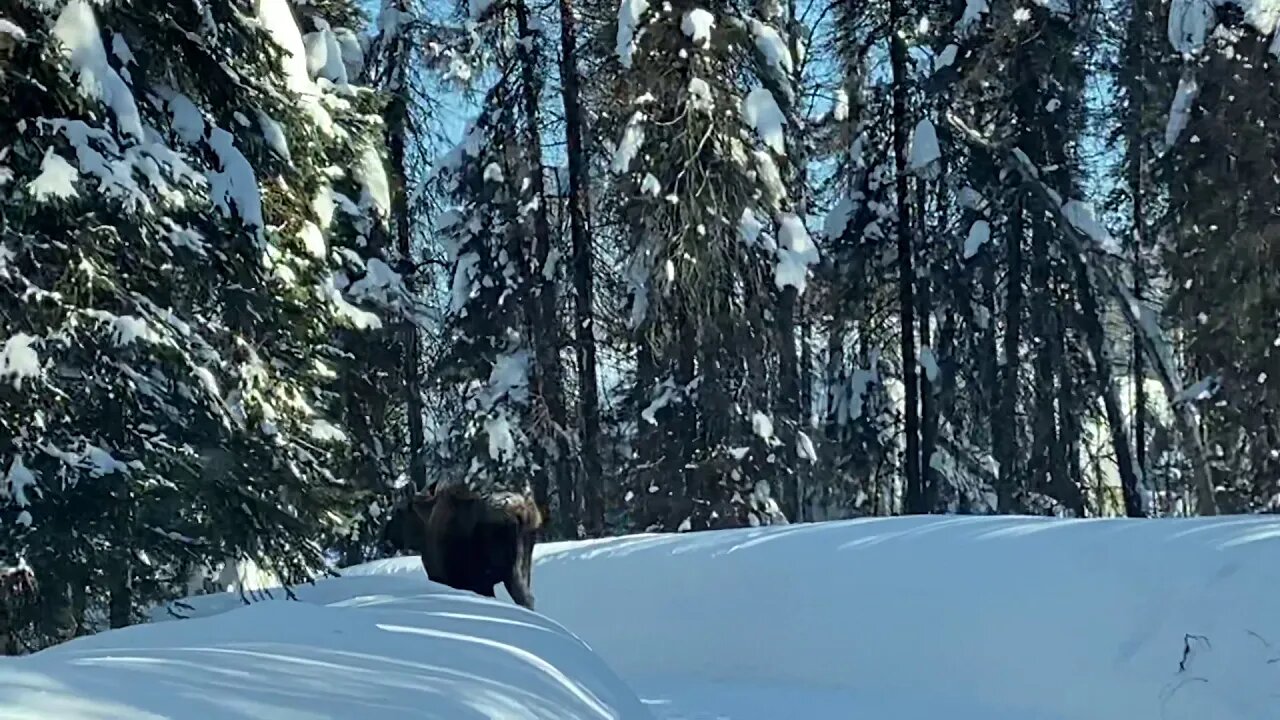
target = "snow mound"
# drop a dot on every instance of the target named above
(377, 646)
(917, 618)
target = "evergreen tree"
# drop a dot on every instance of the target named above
(181, 239)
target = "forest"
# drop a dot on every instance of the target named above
(268, 267)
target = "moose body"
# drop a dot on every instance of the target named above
(471, 540)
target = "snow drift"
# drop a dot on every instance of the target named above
(389, 646)
(1005, 617)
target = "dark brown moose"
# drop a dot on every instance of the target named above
(471, 540)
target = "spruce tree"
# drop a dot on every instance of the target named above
(187, 193)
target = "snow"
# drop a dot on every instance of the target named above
(18, 479)
(629, 147)
(1080, 214)
(628, 37)
(8, 27)
(81, 40)
(502, 443)
(277, 18)
(924, 152)
(356, 317)
(947, 57)
(57, 178)
(697, 25)
(762, 113)
(1022, 614)
(1191, 22)
(236, 183)
(273, 133)
(371, 173)
(796, 253)
(187, 120)
(929, 363)
(749, 226)
(973, 12)
(393, 645)
(979, 235)
(324, 57)
(771, 45)
(700, 97)
(1180, 109)
(762, 426)
(826, 620)
(805, 449)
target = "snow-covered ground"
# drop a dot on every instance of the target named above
(963, 618)
(363, 648)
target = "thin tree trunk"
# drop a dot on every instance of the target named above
(1044, 429)
(1010, 387)
(542, 310)
(928, 392)
(397, 129)
(583, 277)
(1137, 190)
(906, 270)
(1094, 335)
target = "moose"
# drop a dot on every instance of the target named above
(470, 540)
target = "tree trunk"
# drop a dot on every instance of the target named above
(397, 128)
(928, 390)
(1137, 191)
(1155, 345)
(914, 501)
(541, 311)
(1091, 323)
(1044, 425)
(1010, 387)
(788, 389)
(583, 278)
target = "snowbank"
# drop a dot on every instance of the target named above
(1005, 617)
(378, 646)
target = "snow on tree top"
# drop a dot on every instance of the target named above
(18, 359)
(57, 178)
(629, 13)
(236, 184)
(10, 28)
(18, 479)
(632, 139)
(924, 152)
(1080, 214)
(1191, 21)
(77, 31)
(772, 46)
(697, 25)
(979, 235)
(762, 113)
(796, 252)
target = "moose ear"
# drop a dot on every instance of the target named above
(430, 489)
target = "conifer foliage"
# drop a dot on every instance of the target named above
(186, 194)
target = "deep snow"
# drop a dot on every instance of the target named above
(353, 648)
(962, 618)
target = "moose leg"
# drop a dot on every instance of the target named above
(517, 581)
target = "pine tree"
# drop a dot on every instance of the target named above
(174, 262)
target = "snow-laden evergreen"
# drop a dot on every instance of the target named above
(188, 204)
(699, 161)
